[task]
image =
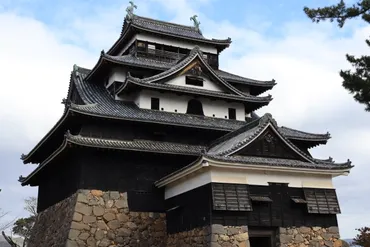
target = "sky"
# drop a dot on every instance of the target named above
(40, 40)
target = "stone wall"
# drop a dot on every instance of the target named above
(212, 236)
(53, 224)
(196, 237)
(229, 236)
(102, 219)
(309, 237)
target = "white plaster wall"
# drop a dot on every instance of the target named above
(167, 41)
(171, 102)
(251, 177)
(117, 74)
(187, 184)
(207, 84)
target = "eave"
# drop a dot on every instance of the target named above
(135, 146)
(129, 27)
(207, 162)
(131, 83)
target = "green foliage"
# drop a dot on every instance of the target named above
(23, 227)
(363, 237)
(356, 81)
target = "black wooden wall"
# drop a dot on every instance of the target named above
(126, 130)
(281, 212)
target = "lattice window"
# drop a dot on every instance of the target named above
(322, 201)
(232, 197)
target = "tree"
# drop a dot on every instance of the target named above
(357, 81)
(23, 226)
(363, 237)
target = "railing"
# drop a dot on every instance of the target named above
(160, 55)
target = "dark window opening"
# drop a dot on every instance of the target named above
(141, 46)
(232, 113)
(260, 241)
(195, 107)
(155, 103)
(194, 81)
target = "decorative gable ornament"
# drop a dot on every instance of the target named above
(196, 70)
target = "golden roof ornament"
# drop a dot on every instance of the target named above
(130, 11)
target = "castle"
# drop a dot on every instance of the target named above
(158, 146)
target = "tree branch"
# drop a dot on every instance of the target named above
(9, 240)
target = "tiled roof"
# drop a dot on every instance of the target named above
(239, 79)
(242, 137)
(280, 162)
(188, 32)
(133, 145)
(175, 88)
(301, 135)
(154, 64)
(99, 102)
(137, 145)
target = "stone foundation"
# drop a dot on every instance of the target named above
(309, 237)
(53, 224)
(103, 219)
(196, 237)
(211, 236)
(97, 219)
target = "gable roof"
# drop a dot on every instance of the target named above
(139, 23)
(156, 82)
(147, 63)
(239, 139)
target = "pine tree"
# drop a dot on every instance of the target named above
(356, 81)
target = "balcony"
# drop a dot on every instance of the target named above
(159, 55)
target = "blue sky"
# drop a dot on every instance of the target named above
(42, 39)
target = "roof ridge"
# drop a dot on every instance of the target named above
(166, 22)
(304, 132)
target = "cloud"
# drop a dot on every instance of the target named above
(304, 58)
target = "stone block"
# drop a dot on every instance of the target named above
(104, 243)
(109, 216)
(326, 236)
(333, 229)
(316, 229)
(328, 243)
(98, 211)
(114, 224)
(102, 225)
(304, 230)
(285, 239)
(73, 234)
(82, 198)
(77, 217)
(71, 244)
(338, 243)
(99, 235)
(97, 193)
(88, 219)
(298, 239)
(114, 195)
(215, 244)
(84, 236)
(218, 229)
(233, 231)
(123, 218)
(121, 204)
(242, 237)
(282, 230)
(91, 242)
(79, 226)
(83, 209)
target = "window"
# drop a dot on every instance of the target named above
(194, 81)
(195, 107)
(205, 57)
(232, 113)
(141, 46)
(155, 103)
(151, 48)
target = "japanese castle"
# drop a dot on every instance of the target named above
(158, 146)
